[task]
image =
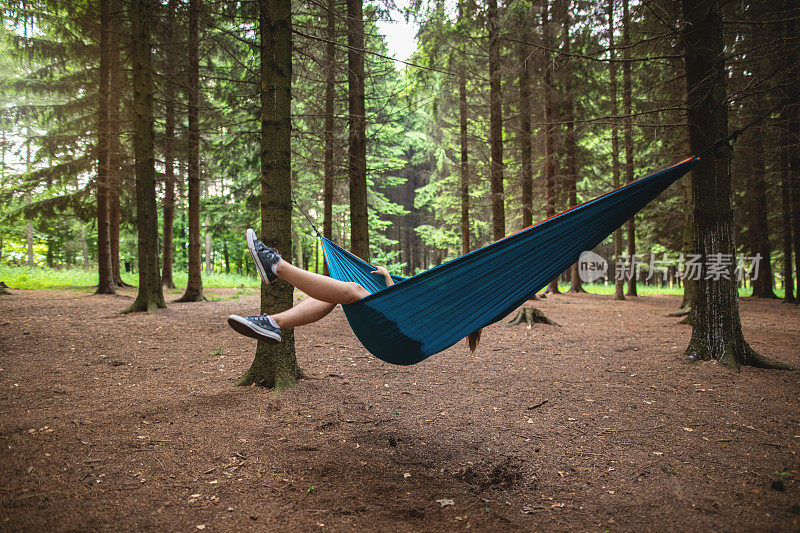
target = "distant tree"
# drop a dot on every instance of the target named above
(524, 23)
(194, 284)
(357, 124)
(627, 108)
(549, 126)
(150, 294)
(105, 283)
(496, 124)
(619, 291)
(169, 143)
(569, 140)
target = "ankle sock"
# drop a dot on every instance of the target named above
(272, 321)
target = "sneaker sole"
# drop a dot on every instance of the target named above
(250, 236)
(243, 327)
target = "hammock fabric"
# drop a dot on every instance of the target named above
(417, 317)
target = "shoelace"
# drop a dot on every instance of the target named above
(261, 320)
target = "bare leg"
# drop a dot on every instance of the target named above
(321, 287)
(306, 312)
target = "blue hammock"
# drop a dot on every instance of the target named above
(417, 317)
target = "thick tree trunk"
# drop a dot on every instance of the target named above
(357, 124)
(526, 166)
(628, 110)
(496, 125)
(194, 283)
(572, 165)
(330, 109)
(549, 135)
(619, 291)
(717, 329)
(275, 365)
(462, 120)
(169, 162)
(150, 294)
(105, 284)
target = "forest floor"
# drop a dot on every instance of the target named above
(113, 422)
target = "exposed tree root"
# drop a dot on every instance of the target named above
(4, 288)
(194, 296)
(531, 315)
(734, 359)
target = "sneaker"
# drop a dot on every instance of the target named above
(264, 257)
(258, 327)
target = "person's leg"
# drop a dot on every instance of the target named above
(306, 312)
(321, 287)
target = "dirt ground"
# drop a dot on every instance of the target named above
(113, 422)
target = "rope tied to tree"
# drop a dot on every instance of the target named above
(726, 141)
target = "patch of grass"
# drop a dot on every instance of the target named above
(24, 278)
(648, 290)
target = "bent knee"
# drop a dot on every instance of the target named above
(356, 291)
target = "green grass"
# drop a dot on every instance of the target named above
(23, 278)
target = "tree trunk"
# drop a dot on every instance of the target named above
(496, 125)
(619, 282)
(275, 365)
(226, 256)
(209, 263)
(717, 329)
(526, 166)
(117, 79)
(572, 165)
(549, 140)
(462, 120)
(357, 126)
(786, 209)
(330, 109)
(105, 283)
(628, 110)
(150, 294)
(194, 283)
(84, 249)
(758, 226)
(169, 143)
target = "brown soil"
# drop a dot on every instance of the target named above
(113, 422)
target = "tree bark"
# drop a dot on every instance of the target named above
(758, 225)
(194, 283)
(619, 283)
(496, 125)
(275, 365)
(105, 283)
(549, 134)
(169, 143)
(330, 109)
(526, 166)
(786, 208)
(357, 127)
(572, 165)
(628, 110)
(150, 294)
(464, 177)
(209, 263)
(117, 79)
(717, 329)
